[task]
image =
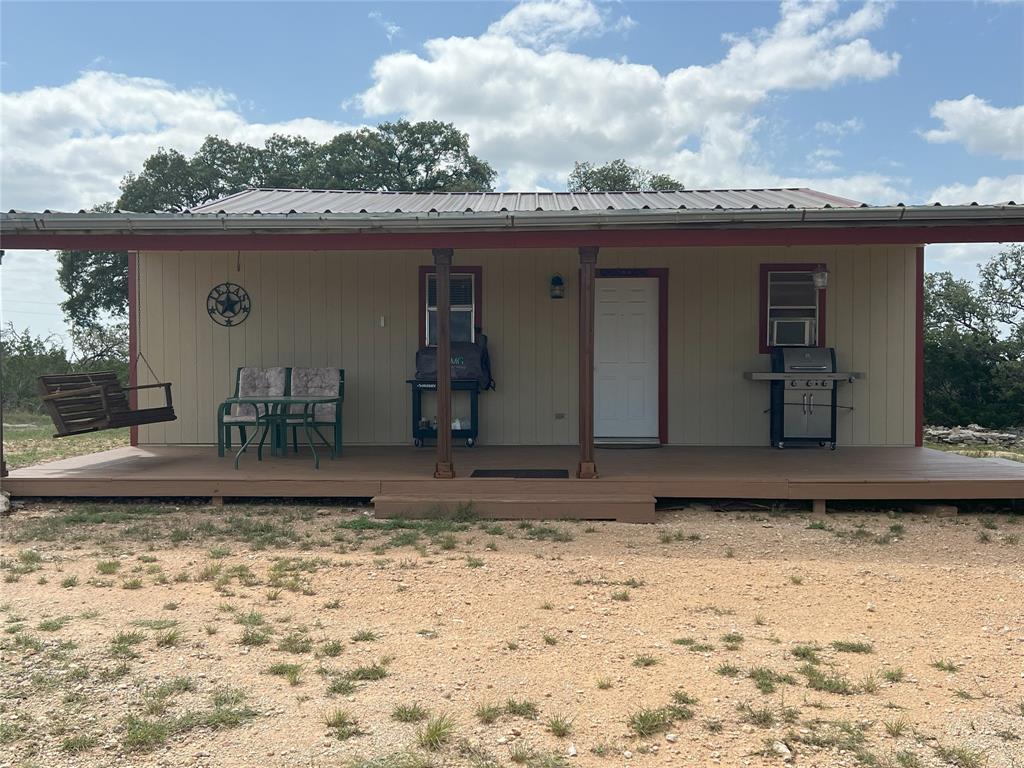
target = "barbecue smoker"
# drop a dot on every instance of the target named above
(803, 408)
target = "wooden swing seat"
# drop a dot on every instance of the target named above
(90, 402)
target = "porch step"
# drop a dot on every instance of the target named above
(520, 506)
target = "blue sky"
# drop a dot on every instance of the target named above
(880, 102)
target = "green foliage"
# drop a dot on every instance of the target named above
(26, 357)
(422, 156)
(617, 176)
(974, 345)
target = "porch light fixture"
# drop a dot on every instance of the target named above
(820, 277)
(557, 286)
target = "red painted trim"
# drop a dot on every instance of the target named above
(478, 295)
(919, 353)
(661, 273)
(133, 337)
(762, 320)
(362, 241)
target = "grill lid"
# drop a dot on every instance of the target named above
(805, 360)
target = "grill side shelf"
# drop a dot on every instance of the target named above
(819, 375)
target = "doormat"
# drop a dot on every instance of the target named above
(530, 474)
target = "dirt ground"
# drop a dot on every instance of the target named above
(141, 635)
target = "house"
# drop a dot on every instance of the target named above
(619, 318)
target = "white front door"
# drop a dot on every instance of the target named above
(626, 359)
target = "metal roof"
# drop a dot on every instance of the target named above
(301, 211)
(297, 201)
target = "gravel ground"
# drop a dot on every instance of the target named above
(739, 638)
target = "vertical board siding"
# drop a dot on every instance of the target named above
(326, 309)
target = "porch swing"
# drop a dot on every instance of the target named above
(91, 402)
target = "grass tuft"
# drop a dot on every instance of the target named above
(409, 713)
(290, 672)
(647, 722)
(488, 713)
(74, 745)
(343, 724)
(894, 675)
(559, 726)
(521, 708)
(376, 671)
(170, 638)
(436, 732)
(960, 756)
(808, 653)
(853, 646)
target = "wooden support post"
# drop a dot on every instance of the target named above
(216, 501)
(3, 461)
(818, 507)
(588, 267)
(445, 468)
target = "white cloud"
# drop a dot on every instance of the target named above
(532, 109)
(979, 126)
(852, 125)
(30, 294)
(823, 160)
(986, 190)
(962, 259)
(553, 24)
(391, 29)
(68, 147)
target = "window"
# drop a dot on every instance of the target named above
(464, 300)
(792, 309)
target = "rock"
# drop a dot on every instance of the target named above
(671, 737)
(5, 503)
(783, 751)
(627, 754)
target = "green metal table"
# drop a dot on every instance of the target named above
(275, 415)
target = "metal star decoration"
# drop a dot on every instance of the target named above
(228, 304)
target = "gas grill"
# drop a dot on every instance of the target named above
(803, 407)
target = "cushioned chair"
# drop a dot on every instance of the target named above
(324, 382)
(249, 382)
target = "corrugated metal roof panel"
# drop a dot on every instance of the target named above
(270, 201)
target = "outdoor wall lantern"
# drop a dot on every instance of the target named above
(820, 276)
(557, 286)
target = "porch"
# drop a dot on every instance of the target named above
(400, 479)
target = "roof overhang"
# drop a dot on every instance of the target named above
(326, 231)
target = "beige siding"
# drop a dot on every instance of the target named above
(360, 311)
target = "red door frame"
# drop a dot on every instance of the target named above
(661, 273)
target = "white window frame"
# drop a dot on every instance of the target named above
(813, 317)
(470, 308)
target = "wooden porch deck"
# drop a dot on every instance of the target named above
(627, 475)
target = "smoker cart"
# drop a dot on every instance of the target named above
(423, 429)
(803, 406)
